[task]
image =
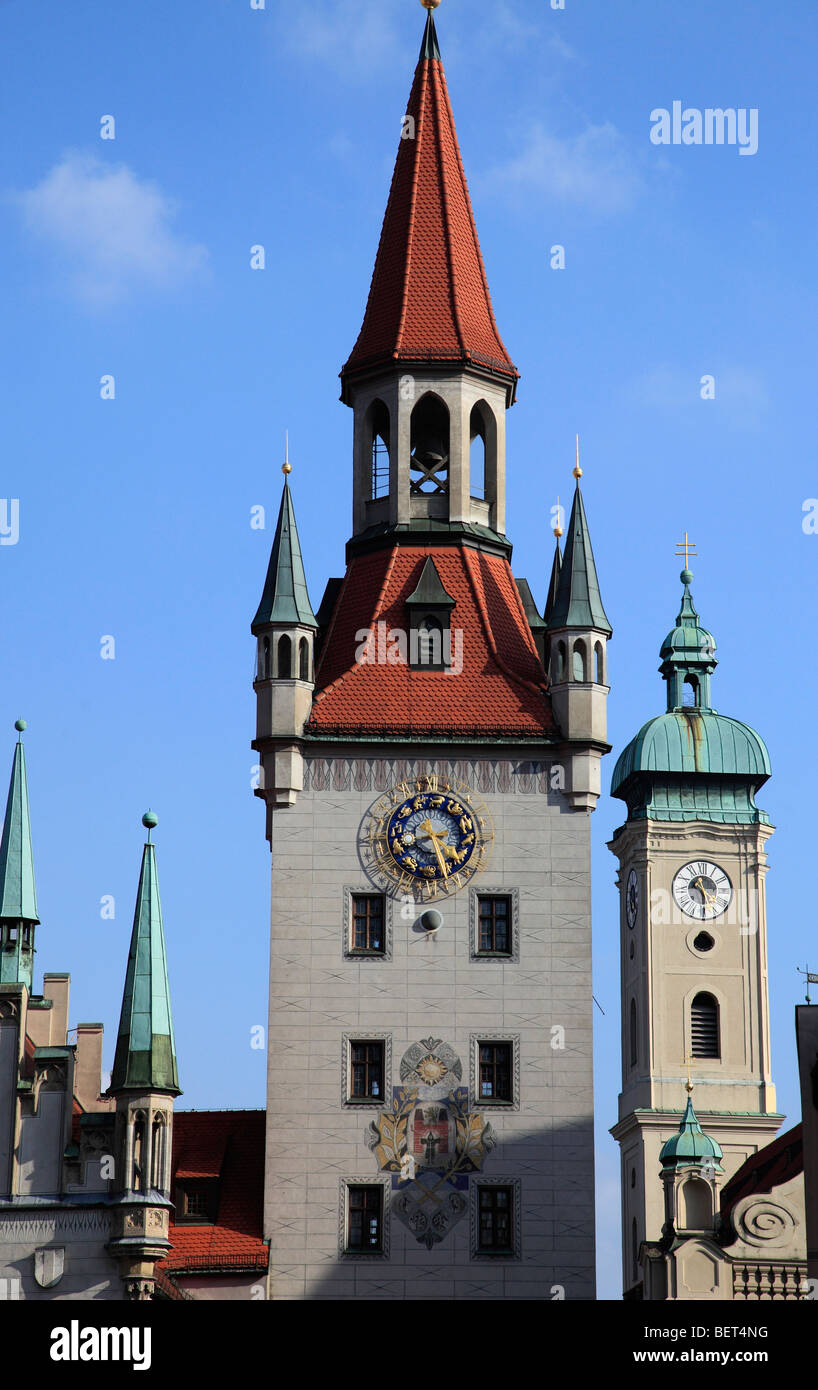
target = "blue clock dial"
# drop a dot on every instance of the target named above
(431, 835)
(426, 836)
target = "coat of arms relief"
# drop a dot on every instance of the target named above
(430, 1141)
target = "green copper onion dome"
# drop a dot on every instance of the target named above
(692, 763)
(690, 1144)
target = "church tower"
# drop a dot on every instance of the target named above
(429, 1108)
(692, 866)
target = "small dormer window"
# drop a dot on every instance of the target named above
(429, 610)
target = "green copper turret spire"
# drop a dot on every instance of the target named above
(688, 655)
(578, 601)
(18, 896)
(285, 598)
(145, 1057)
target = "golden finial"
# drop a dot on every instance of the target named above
(577, 470)
(430, 4)
(688, 1083)
(286, 466)
(558, 528)
(688, 549)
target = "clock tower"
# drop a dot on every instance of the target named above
(430, 1107)
(692, 868)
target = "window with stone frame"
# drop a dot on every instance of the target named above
(366, 1069)
(364, 1223)
(495, 1219)
(367, 931)
(495, 1072)
(494, 925)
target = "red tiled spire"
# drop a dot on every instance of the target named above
(429, 298)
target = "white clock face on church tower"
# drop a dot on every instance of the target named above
(632, 898)
(702, 890)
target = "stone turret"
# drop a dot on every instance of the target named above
(285, 630)
(577, 633)
(144, 1082)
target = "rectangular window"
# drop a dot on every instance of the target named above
(494, 926)
(495, 1071)
(366, 1070)
(367, 924)
(495, 1232)
(365, 1219)
(196, 1202)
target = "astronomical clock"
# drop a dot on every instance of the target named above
(427, 837)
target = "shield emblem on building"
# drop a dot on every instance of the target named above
(48, 1267)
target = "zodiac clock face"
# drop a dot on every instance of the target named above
(427, 836)
(702, 890)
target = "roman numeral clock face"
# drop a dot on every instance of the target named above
(427, 837)
(702, 890)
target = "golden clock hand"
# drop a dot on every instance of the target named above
(427, 827)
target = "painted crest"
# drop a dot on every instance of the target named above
(430, 1142)
(48, 1267)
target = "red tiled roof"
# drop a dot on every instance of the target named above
(772, 1166)
(228, 1145)
(502, 688)
(429, 296)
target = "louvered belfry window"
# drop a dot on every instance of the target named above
(704, 1027)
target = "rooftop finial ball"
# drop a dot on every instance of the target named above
(150, 819)
(430, 4)
(20, 725)
(686, 576)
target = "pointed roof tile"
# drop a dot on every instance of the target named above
(285, 598)
(429, 298)
(145, 1057)
(18, 895)
(578, 601)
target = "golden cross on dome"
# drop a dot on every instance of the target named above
(686, 548)
(686, 1065)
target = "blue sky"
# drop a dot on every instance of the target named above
(131, 257)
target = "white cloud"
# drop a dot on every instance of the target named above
(113, 228)
(593, 169)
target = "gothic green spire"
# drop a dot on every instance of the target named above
(18, 895)
(553, 583)
(145, 1057)
(578, 602)
(285, 598)
(690, 1144)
